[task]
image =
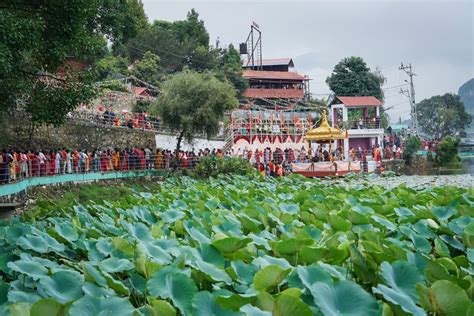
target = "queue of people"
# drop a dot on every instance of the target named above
(20, 164)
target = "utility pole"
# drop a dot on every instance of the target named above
(411, 95)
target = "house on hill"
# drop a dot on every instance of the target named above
(275, 81)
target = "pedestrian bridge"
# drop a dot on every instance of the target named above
(23, 185)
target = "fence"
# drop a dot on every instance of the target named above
(15, 171)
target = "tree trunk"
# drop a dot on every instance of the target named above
(178, 147)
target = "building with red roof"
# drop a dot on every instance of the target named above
(275, 81)
(360, 117)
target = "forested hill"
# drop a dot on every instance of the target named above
(466, 93)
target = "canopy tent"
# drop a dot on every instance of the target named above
(324, 133)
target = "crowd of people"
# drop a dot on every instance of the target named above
(19, 164)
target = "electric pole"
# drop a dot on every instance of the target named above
(411, 96)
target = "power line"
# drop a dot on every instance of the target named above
(402, 85)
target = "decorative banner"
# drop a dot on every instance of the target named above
(296, 118)
(310, 120)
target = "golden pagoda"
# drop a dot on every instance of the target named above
(324, 132)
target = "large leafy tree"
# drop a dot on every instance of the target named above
(230, 68)
(352, 77)
(148, 69)
(179, 44)
(193, 103)
(36, 37)
(442, 115)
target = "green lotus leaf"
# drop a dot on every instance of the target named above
(364, 210)
(64, 286)
(3, 292)
(441, 248)
(269, 277)
(212, 271)
(444, 298)
(250, 310)
(155, 252)
(235, 301)
(400, 278)
(344, 298)
(139, 231)
(89, 305)
(92, 289)
(30, 268)
(288, 305)
(93, 275)
(161, 308)
(32, 242)
(443, 213)
(67, 231)
(114, 264)
(452, 242)
(384, 223)
(245, 272)
(16, 296)
(290, 208)
(265, 260)
(291, 246)
(468, 235)
(404, 213)
(19, 309)
(312, 274)
(47, 306)
(229, 245)
(105, 246)
(172, 216)
(178, 287)
(5, 258)
(204, 305)
(118, 286)
(197, 234)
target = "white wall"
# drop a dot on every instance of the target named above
(169, 142)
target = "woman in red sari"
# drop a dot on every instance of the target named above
(52, 162)
(75, 161)
(141, 157)
(103, 161)
(34, 164)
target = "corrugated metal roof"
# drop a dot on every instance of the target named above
(360, 101)
(274, 93)
(272, 62)
(273, 75)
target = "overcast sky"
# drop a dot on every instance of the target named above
(436, 36)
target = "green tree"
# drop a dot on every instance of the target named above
(447, 150)
(179, 44)
(352, 77)
(37, 37)
(194, 103)
(111, 64)
(230, 68)
(148, 69)
(412, 145)
(442, 115)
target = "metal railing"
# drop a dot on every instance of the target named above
(14, 170)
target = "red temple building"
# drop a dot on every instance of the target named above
(276, 81)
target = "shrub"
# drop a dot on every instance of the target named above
(447, 150)
(412, 144)
(213, 166)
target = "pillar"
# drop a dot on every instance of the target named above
(346, 149)
(377, 111)
(345, 116)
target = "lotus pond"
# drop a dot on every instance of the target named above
(246, 246)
